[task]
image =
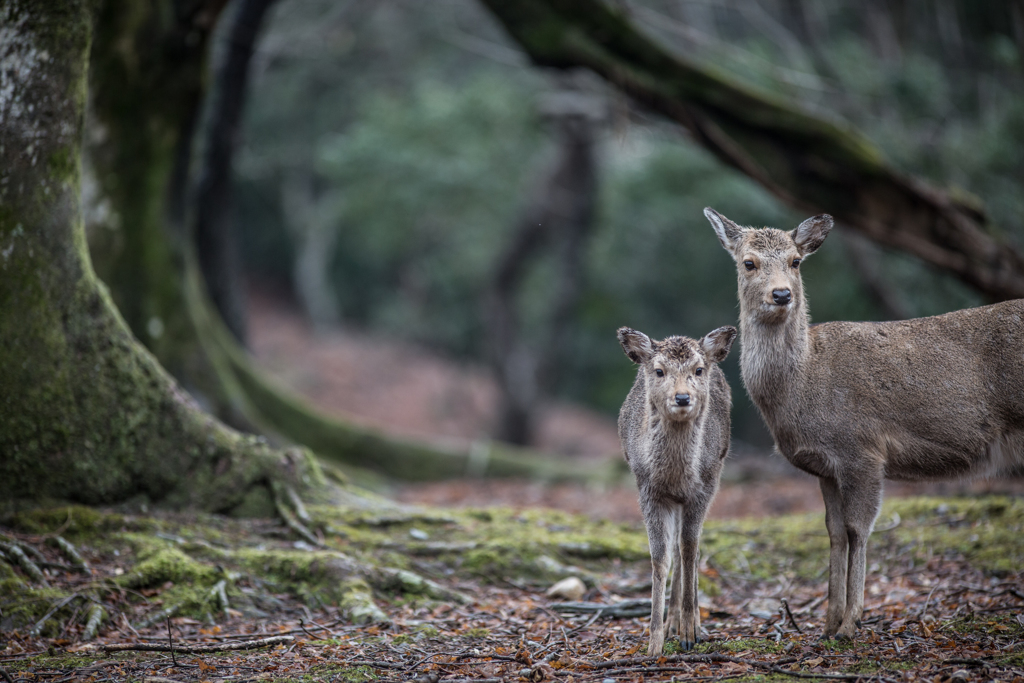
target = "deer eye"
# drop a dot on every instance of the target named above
(749, 265)
(659, 372)
(700, 371)
(796, 262)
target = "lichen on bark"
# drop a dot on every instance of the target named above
(86, 413)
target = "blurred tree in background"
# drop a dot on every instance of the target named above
(393, 143)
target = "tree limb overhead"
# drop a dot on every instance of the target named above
(808, 162)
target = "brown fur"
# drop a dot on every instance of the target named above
(856, 403)
(676, 455)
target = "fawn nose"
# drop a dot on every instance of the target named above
(682, 399)
(782, 296)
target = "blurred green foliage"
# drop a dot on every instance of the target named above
(428, 182)
(420, 127)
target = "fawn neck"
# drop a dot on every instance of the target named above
(671, 437)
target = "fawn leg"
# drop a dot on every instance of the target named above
(675, 604)
(838, 555)
(861, 502)
(689, 635)
(660, 523)
(689, 544)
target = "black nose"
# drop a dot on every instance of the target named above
(782, 296)
(682, 399)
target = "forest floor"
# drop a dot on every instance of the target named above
(453, 596)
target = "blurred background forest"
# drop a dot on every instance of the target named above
(394, 154)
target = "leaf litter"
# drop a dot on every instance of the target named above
(941, 606)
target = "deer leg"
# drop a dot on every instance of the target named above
(689, 634)
(660, 530)
(675, 600)
(838, 555)
(861, 504)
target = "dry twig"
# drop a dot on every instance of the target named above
(197, 649)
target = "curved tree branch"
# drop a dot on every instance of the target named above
(808, 162)
(218, 251)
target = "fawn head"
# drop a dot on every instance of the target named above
(768, 263)
(677, 370)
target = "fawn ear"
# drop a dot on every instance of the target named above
(729, 234)
(637, 345)
(716, 343)
(809, 235)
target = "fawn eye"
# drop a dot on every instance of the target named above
(700, 371)
(796, 262)
(749, 265)
(659, 372)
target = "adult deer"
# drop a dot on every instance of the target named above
(856, 403)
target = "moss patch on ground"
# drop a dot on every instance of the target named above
(199, 565)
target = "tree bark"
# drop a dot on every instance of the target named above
(146, 86)
(558, 217)
(809, 163)
(216, 245)
(146, 68)
(87, 413)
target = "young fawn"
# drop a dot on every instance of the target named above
(674, 427)
(856, 403)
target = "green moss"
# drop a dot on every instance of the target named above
(761, 645)
(427, 631)
(64, 662)
(357, 603)
(988, 530)
(356, 674)
(999, 625)
(75, 521)
(25, 605)
(837, 645)
(672, 647)
(168, 564)
(477, 633)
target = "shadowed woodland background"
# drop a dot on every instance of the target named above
(390, 200)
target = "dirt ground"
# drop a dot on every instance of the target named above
(410, 391)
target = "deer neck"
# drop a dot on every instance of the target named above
(772, 361)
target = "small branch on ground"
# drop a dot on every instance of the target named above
(619, 610)
(635, 663)
(197, 649)
(792, 620)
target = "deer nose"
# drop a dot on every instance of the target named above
(782, 296)
(682, 399)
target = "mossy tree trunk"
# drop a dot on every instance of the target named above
(808, 162)
(146, 85)
(87, 413)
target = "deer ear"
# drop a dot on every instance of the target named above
(809, 235)
(729, 234)
(637, 345)
(716, 343)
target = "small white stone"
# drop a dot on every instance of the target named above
(567, 589)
